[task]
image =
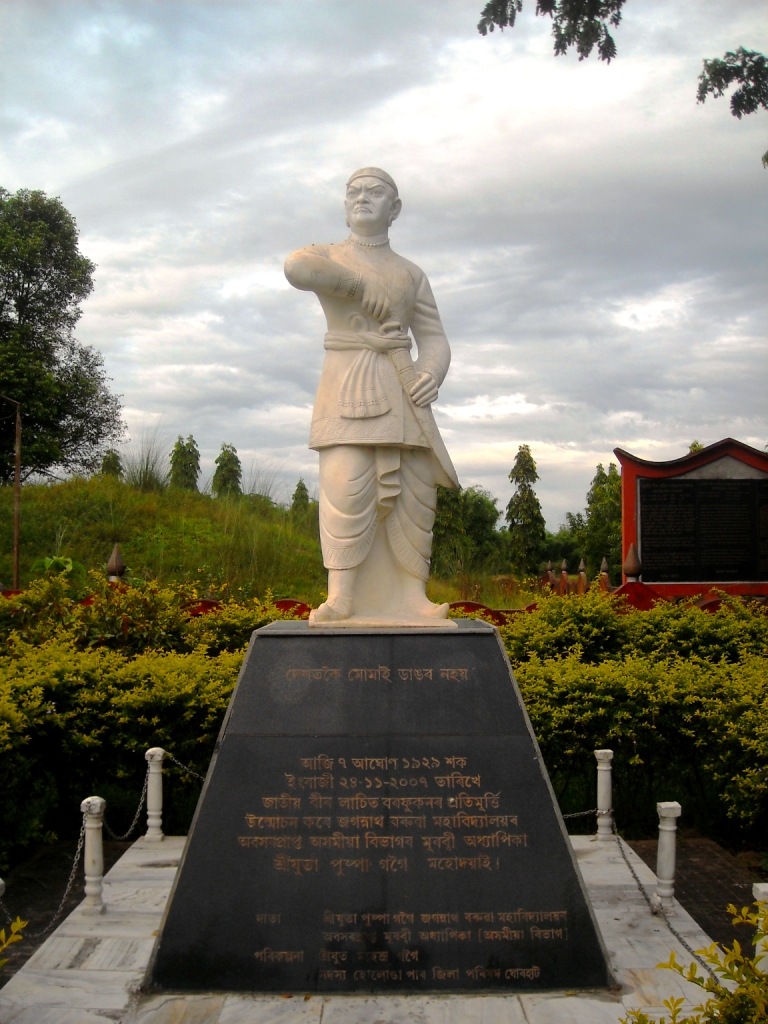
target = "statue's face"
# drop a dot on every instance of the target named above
(371, 205)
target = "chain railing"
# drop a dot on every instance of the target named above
(656, 907)
(112, 835)
(184, 767)
(90, 839)
(67, 891)
(665, 868)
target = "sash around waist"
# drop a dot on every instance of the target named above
(346, 341)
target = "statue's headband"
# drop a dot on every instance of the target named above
(374, 172)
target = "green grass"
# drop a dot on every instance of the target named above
(168, 535)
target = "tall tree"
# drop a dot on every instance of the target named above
(300, 500)
(185, 464)
(584, 24)
(587, 24)
(603, 520)
(595, 533)
(305, 510)
(228, 476)
(464, 535)
(69, 416)
(527, 532)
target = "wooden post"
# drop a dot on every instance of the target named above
(605, 580)
(582, 586)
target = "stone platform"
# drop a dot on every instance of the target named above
(91, 969)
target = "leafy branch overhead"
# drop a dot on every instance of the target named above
(749, 70)
(586, 24)
(580, 23)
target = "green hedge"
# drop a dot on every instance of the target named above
(75, 723)
(598, 627)
(131, 620)
(680, 729)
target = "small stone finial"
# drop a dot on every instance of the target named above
(582, 586)
(563, 587)
(632, 566)
(115, 565)
(605, 579)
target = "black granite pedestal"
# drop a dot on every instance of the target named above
(377, 816)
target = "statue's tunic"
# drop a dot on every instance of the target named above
(392, 456)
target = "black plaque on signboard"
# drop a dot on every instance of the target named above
(377, 817)
(713, 531)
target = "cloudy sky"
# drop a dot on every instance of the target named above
(595, 239)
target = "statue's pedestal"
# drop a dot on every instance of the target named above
(377, 817)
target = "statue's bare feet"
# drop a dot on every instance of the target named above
(331, 611)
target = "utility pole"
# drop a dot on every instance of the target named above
(16, 493)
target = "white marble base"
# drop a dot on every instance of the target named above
(91, 968)
(384, 622)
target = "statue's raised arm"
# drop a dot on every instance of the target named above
(381, 455)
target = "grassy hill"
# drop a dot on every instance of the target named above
(169, 535)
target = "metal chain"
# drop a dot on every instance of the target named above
(657, 908)
(583, 814)
(9, 918)
(67, 891)
(136, 816)
(184, 767)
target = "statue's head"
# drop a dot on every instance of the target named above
(372, 201)
(374, 172)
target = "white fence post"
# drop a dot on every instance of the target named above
(93, 809)
(154, 758)
(604, 794)
(669, 811)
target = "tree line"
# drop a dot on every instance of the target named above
(467, 538)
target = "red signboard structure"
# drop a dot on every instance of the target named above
(698, 523)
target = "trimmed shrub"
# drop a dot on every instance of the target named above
(74, 723)
(684, 730)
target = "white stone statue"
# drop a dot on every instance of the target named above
(381, 455)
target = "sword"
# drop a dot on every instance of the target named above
(408, 374)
